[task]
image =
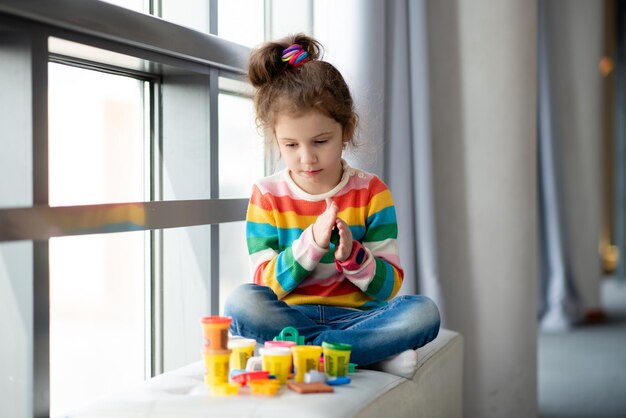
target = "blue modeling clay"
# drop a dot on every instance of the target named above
(342, 380)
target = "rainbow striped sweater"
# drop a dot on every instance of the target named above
(285, 257)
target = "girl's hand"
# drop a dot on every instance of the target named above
(343, 250)
(323, 225)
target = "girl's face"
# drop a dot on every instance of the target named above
(311, 145)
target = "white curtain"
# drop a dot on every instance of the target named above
(558, 303)
(570, 137)
(381, 49)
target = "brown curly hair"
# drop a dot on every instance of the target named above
(315, 85)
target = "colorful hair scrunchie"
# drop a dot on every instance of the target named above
(295, 55)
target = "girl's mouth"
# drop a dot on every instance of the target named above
(312, 173)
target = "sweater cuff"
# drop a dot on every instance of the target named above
(355, 260)
(306, 251)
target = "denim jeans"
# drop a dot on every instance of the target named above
(406, 322)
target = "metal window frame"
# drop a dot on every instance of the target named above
(167, 47)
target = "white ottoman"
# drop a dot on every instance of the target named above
(434, 391)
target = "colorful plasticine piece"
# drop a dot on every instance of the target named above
(246, 377)
(336, 381)
(315, 387)
(290, 334)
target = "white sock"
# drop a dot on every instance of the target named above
(403, 364)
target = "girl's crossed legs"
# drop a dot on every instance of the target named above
(406, 322)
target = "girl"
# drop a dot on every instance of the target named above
(336, 290)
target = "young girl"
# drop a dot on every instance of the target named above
(330, 290)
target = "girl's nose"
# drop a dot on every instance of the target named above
(308, 156)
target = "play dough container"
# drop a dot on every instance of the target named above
(264, 387)
(241, 350)
(216, 366)
(336, 358)
(277, 361)
(305, 359)
(215, 330)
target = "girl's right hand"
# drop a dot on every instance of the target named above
(323, 226)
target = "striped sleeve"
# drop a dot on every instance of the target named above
(280, 267)
(381, 275)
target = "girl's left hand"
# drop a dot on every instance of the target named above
(343, 250)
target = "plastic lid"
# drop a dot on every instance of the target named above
(216, 319)
(278, 343)
(241, 342)
(275, 351)
(337, 346)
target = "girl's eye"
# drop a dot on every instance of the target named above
(321, 141)
(290, 145)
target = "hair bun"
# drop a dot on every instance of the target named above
(266, 60)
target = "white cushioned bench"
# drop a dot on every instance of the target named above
(434, 391)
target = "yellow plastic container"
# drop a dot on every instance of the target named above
(264, 387)
(241, 350)
(215, 331)
(277, 361)
(336, 359)
(305, 359)
(216, 366)
(225, 389)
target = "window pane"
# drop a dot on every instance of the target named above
(241, 21)
(241, 148)
(234, 262)
(96, 151)
(186, 292)
(291, 16)
(232, 16)
(97, 316)
(191, 13)
(242, 161)
(97, 283)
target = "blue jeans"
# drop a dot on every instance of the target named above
(406, 322)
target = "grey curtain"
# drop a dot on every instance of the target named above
(570, 160)
(558, 303)
(407, 166)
